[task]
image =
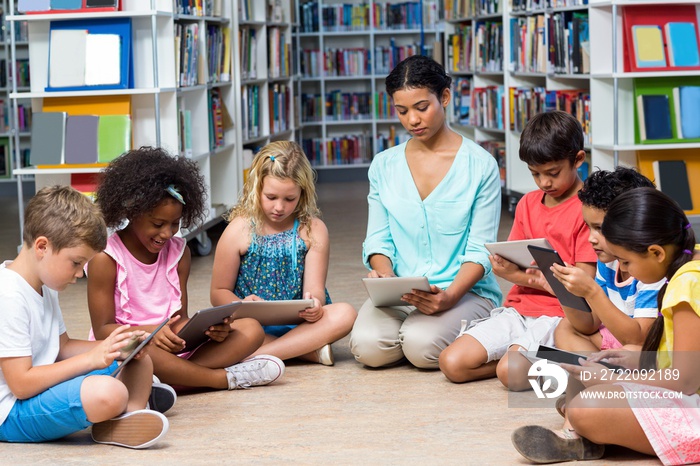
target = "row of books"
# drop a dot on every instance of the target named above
(339, 105)
(335, 62)
(187, 54)
(461, 100)
(489, 46)
(487, 108)
(249, 52)
(346, 150)
(498, 150)
(220, 119)
(660, 38)
(345, 17)
(459, 49)
(218, 53)
(7, 158)
(390, 139)
(405, 15)
(24, 117)
(568, 33)
(79, 139)
(250, 105)
(386, 58)
(21, 70)
(21, 30)
(278, 53)
(383, 107)
(526, 102)
(667, 110)
(279, 100)
(563, 46)
(67, 6)
(198, 7)
(459, 9)
(308, 17)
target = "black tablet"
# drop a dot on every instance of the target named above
(193, 331)
(545, 258)
(138, 348)
(566, 357)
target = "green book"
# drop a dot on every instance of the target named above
(113, 137)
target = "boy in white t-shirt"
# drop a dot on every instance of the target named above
(52, 385)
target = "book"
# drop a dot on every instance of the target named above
(66, 4)
(67, 57)
(47, 145)
(102, 59)
(25, 6)
(671, 178)
(86, 183)
(648, 46)
(113, 137)
(689, 114)
(81, 139)
(654, 116)
(682, 44)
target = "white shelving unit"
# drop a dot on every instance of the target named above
(362, 76)
(156, 99)
(7, 130)
(264, 70)
(518, 177)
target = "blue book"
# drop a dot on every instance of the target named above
(654, 117)
(24, 6)
(689, 97)
(66, 4)
(682, 43)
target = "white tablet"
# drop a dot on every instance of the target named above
(282, 312)
(516, 251)
(388, 291)
(193, 331)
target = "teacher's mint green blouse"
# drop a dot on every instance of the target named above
(433, 237)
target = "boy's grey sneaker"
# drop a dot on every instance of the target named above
(162, 397)
(136, 429)
(259, 370)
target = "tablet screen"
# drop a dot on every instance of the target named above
(545, 258)
(138, 348)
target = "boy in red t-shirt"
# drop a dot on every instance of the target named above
(552, 146)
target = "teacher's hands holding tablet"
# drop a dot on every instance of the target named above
(430, 302)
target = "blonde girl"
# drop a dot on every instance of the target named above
(276, 247)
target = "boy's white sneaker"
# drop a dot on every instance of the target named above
(259, 370)
(136, 429)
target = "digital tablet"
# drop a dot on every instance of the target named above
(516, 251)
(388, 291)
(545, 257)
(282, 312)
(193, 331)
(136, 350)
(566, 357)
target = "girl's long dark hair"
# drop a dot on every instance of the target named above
(643, 217)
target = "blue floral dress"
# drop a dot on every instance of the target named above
(273, 269)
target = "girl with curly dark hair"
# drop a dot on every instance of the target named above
(141, 277)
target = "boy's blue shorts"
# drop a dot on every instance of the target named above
(50, 415)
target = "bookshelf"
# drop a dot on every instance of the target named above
(615, 85)
(344, 50)
(169, 82)
(264, 104)
(7, 76)
(510, 60)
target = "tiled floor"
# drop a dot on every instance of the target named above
(345, 414)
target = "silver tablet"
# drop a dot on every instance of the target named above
(516, 251)
(193, 331)
(140, 346)
(388, 291)
(282, 312)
